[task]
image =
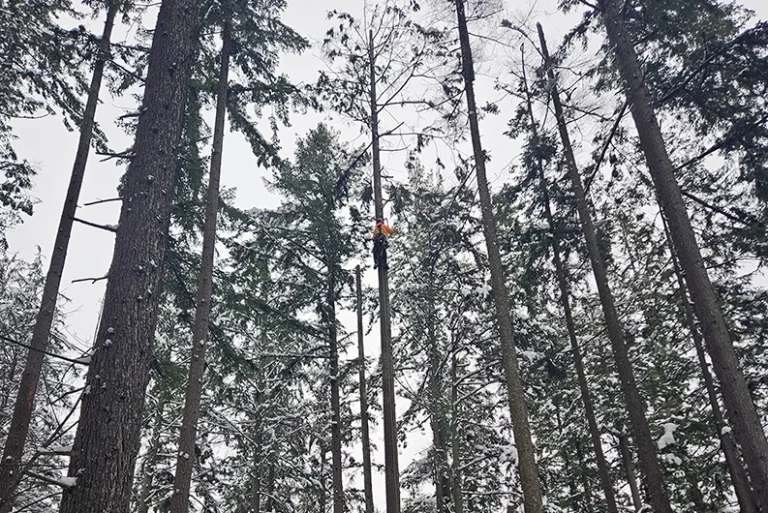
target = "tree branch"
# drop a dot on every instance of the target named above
(107, 227)
(76, 361)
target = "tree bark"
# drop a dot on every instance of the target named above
(150, 461)
(336, 460)
(185, 460)
(561, 274)
(529, 478)
(367, 473)
(391, 470)
(629, 467)
(11, 464)
(108, 435)
(740, 409)
(736, 470)
(657, 493)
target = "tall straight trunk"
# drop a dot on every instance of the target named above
(562, 282)
(529, 478)
(367, 473)
(391, 468)
(730, 450)
(258, 457)
(333, 343)
(108, 435)
(740, 409)
(657, 493)
(11, 463)
(629, 467)
(150, 460)
(456, 491)
(185, 460)
(584, 479)
(437, 416)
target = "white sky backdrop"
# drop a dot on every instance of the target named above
(46, 143)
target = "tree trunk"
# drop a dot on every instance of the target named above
(391, 470)
(733, 461)
(529, 478)
(562, 281)
(367, 473)
(185, 460)
(10, 465)
(657, 493)
(108, 435)
(437, 416)
(336, 460)
(150, 461)
(456, 491)
(740, 409)
(626, 457)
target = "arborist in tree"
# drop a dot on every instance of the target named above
(380, 244)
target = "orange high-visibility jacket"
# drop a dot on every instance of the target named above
(381, 228)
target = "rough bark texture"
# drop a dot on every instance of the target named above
(10, 464)
(366, 441)
(561, 274)
(150, 461)
(740, 409)
(629, 467)
(437, 417)
(108, 435)
(736, 469)
(185, 460)
(391, 468)
(657, 493)
(529, 478)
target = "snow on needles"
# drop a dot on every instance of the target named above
(667, 438)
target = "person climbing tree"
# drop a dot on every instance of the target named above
(380, 244)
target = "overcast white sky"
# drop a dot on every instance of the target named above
(46, 143)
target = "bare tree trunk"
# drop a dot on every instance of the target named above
(657, 493)
(562, 281)
(256, 473)
(11, 464)
(456, 490)
(437, 416)
(391, 470)
(108, 435)
(626, 457)
(529, 478)
(730, 450)
(336, 460)
(740, 409)
(185, 460)
(367, 473)
(150, 460)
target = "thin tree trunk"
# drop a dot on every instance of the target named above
(367, 473)
(336, 461)
(629, 467)
(442, 485)
(456, 481)
(150, 460)
(584, 479)
(562, 281)
(740, 409)
(391, 470)
(10, 465)
(529, 478)
(735, 468)
(657, 493)
(108, 435)
(185, 460)
(256, 476)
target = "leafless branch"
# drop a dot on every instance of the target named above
(92, 280)
(107, 227)
(98, 202)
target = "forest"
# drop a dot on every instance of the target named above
(384, 256)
